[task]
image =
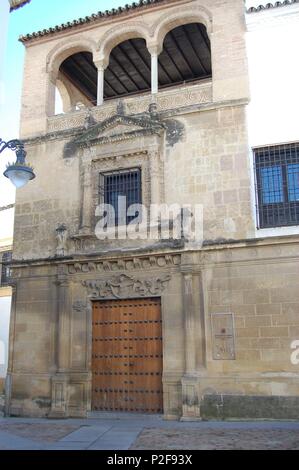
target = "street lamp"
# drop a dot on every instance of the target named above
(19, 173)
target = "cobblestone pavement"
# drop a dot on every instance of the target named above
(109, 431)
(38, 431)
(217, 439)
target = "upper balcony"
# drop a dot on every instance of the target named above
(174, 72)
(173, 53)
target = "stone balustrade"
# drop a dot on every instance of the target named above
(176, 97)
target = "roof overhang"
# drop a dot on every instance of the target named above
(269, 6)
(15, 4)
(97, 17)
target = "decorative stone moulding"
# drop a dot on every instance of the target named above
(125, 265)
(124, 286)
(166, 100)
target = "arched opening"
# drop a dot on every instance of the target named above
(185, 58)
(129, 70)
(186, 55)
(77, 81)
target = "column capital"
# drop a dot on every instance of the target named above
(101, 63)
(155, 49)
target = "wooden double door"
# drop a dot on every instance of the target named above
(127, 356)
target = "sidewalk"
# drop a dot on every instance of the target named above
(104, 431)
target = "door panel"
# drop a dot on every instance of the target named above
(127, 356)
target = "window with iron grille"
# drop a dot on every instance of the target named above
(277, 185)
(5, 270)
(125, 183)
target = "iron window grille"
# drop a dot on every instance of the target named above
(5, 269)
(126, 183)
(277, 185)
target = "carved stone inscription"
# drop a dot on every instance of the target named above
(223, 336)
(124, 286)
(125, 265)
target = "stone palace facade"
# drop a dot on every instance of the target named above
(154, 99)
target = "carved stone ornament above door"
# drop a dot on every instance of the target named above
(123, 286)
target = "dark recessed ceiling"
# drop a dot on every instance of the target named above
(186, 56)
(81, 71)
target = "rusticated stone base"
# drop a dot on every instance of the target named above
(222, 407)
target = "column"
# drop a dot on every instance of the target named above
(154, 50)
(100, 95)
(155, 74)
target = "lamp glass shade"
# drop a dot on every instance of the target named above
(19, 176)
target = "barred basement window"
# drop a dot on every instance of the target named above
(277, 185)
(5, 270)
(121, 189)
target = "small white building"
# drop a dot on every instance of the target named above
(6, 232)
(272, 45)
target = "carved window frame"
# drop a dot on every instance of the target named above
(120, 163)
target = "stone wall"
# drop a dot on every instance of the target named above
(229, 318)
(208, 166)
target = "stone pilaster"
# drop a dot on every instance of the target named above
(195, 360)
(61, 378)
(86, 188)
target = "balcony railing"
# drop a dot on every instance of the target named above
(178, 97)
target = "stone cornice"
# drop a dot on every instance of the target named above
(210, 246)
(65, 134)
